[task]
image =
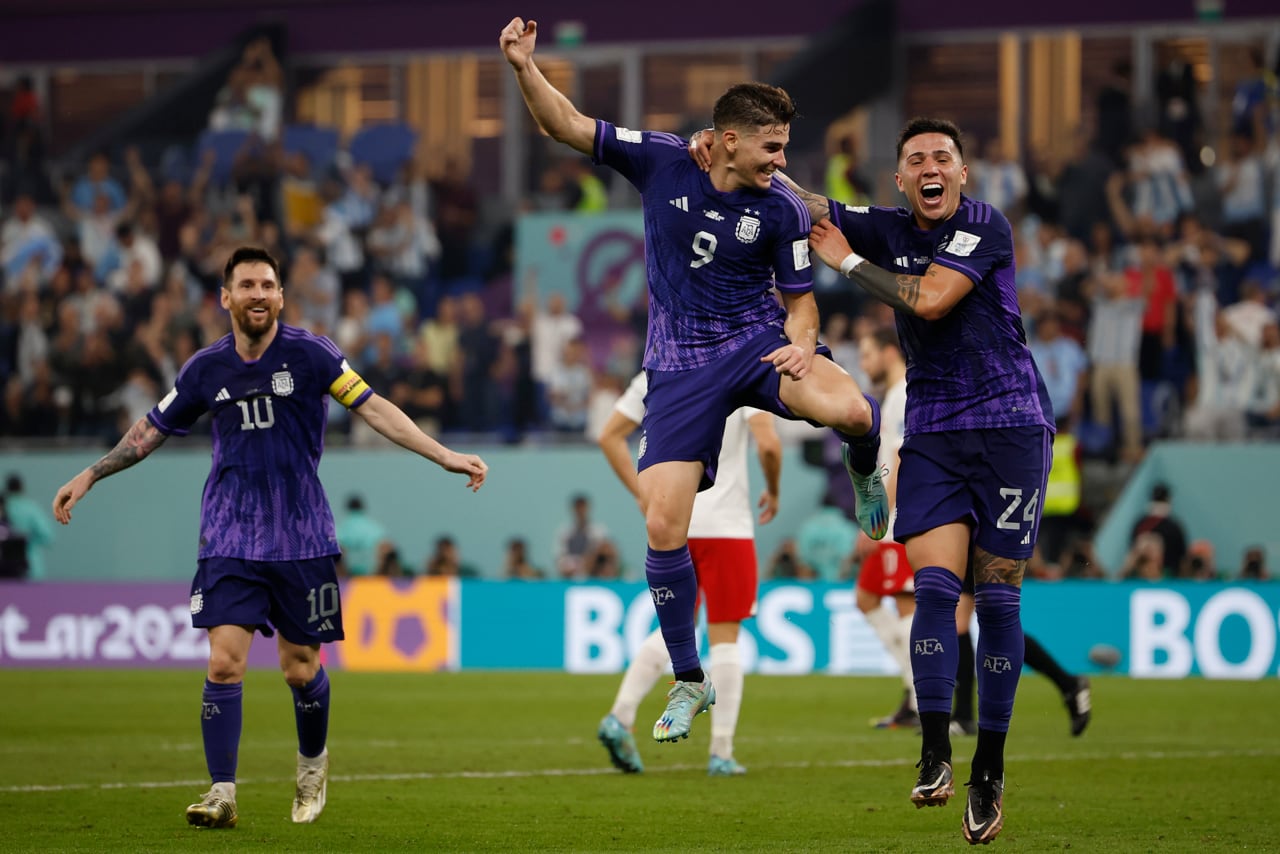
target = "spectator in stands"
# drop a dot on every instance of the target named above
(1241, 181)
(999, 180)
(446, 561)
(133, 247)
(457, 211)
(1263, 410)
(31, 521)
(386, 314)
(584, 191)
(569, 389)
(785, 564)
(604, 563)
(1158, 521)
(96, 181)
(95, 230)
(1254, 565)
(843, 179)
(315, 288)
(1114, 339)
(517, 566)
(423, 393)
(824, 544)
(28, 241)
(1248, 317)
(363, 540)
(552, 329)
(1063, 365)
(31, 345)
(439, 338)
(1227, 381)
(1146, 560)
(13, 547)
(404, 244)
(577, 540)
(1200, 563)
(479, 407)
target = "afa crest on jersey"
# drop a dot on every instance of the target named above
(282, 383)
(748, 229)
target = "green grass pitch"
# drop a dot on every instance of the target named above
(108, 760)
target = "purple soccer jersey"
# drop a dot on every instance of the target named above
(711, 258)
(972, 369)
(263, 500)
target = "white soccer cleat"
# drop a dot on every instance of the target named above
(313, 781)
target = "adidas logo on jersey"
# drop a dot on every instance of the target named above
(222, 395)
(902, 261)
(682, 203)
(326, 626)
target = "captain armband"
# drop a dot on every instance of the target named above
(348, 388)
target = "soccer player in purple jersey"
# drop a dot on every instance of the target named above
(978, 441)
(716, 244)
(268, 553)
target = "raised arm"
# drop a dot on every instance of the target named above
(553, 112)
(769, 452)
(138, 443)
(930, 296)
(389, 420)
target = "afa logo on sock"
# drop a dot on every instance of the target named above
(996, 664)
(662, 595)
(928, 646)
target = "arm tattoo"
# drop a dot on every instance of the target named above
(990, 569)
(898, 291)
(819, 207)
(141, 440)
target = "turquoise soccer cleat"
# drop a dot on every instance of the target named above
(873, 502)
(617, 739)
(684, 701)
(721, 767)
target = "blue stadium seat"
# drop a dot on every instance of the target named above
(226, 144)
(319, 144)
(385, 148)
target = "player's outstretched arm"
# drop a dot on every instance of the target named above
(389, 420)
(769, 451)
(929, 297)
(613, 444)
(553, 112)
(141, 439)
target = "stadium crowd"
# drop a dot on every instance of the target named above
(1147, 268)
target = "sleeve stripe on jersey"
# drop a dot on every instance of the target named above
(801, 209)
(348, 388)
(958, 267)
(329, 346)
(668, 139)
(598, 146)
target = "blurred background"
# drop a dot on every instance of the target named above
(493, 285)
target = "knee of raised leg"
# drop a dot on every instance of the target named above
(662, 531)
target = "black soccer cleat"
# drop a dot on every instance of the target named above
(983, 812)
(1079, 705)
(934, 785)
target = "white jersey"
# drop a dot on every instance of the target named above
(724, 511)
(893, 425)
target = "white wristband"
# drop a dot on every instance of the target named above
(850, 261)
